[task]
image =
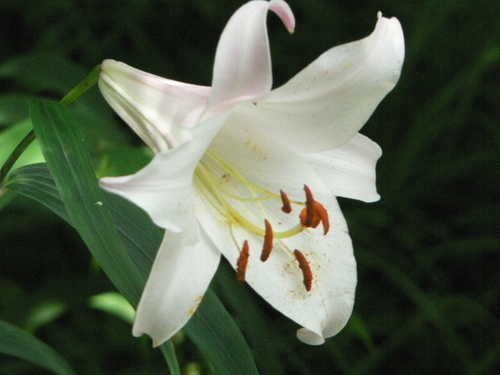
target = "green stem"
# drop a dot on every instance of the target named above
(18, 151)
(89, 81)
(82, 87)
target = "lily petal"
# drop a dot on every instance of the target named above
(325, 309)
(164, 187)
(161, 111)
(325, 105)
(178, 280)
(349, 170)
(242, 68)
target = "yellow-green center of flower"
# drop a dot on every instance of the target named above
(215, 179)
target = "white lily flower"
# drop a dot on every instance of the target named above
(253, 174)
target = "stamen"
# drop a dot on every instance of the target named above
(322, 213)
(308, 217)
(242, 263)
(305, 268)
(314, 213)
(304, 218)
(287, 207)
(268, 242)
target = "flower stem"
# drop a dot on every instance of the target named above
(11, 160)
(82, 87)
(89, 81)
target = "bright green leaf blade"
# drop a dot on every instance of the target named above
(87, 208)
(115, 304)
(16, 342)
(126, 261)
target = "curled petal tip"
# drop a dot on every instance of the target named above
(283, 11)
(309, 337)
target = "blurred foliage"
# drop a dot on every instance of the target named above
(428, 252)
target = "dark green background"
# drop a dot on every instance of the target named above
(428, 252)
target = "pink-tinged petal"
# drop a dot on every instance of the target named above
(164, 188)
(242, 68)
(178, 280)
(349, 170)
(284, 12)
(161, 111)
(327, 103)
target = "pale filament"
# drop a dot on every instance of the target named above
(215, 190)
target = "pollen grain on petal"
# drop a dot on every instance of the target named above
(196, 303)
(287, 207)
(242, 263)
(268, 242)
(305, 267)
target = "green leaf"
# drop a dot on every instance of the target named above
(16, 342)
(211, 328)
(87, 208)
(214, 331)
(115, 304)
(34, 181)
(120, 236)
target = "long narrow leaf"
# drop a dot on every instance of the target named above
(70, 166)
(211, 328)
(18, 343)
(119, 235)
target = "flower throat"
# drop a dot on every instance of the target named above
(214, 174)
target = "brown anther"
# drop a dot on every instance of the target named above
(307, 214)
(287, 207)
(304, 217)
(268, 242)
(242, 263)
(305, 267)
(314, 213)
(322, 213)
